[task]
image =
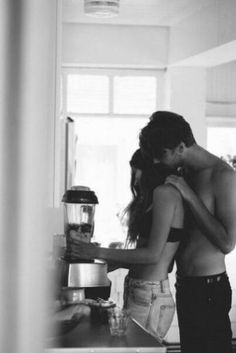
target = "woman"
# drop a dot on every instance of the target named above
(155, 225)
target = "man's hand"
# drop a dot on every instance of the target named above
(180, 184)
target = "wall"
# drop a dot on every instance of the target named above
(114, 45)
(211, 28)
(186, 95)
(26, 77)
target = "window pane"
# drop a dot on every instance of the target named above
(87, 94)
(134, 95)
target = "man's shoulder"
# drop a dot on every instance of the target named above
(221, 168)
(223, 173)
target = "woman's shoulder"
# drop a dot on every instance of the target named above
(168, 192)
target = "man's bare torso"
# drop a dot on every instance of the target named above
(197, 256)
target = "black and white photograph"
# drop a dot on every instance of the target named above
(118, 176)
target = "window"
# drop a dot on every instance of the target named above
(87, 94)
(134, 95)
(109, 107)
(110, 93)
(221, 142)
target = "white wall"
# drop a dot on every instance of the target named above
(114, 45)
(212, 27)
(27, 46)
(186, 92)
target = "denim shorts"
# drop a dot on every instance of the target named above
(151, 304)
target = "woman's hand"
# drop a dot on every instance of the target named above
(79, 249)
(180, 184)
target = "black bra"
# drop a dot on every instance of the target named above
(175, 234)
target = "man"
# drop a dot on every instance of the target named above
(208, 187)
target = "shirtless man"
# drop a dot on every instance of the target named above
(208, 187)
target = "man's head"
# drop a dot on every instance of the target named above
(146, 175)
(166, 137)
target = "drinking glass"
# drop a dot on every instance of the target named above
(118, 320)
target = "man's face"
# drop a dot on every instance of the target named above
(170, 158)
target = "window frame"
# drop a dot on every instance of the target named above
(111, 73)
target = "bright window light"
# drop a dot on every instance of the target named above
(87, 94)
(221, 140)
(103, 150)
(134, 94)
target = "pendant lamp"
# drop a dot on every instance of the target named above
(101, 8)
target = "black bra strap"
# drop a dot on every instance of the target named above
(175, 234)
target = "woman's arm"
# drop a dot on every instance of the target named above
(164, 204)
(112, 266)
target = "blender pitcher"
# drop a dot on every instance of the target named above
(77, 277)
(79, 209)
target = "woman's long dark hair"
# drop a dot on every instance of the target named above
(152, 176)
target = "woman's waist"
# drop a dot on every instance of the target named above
(158, 285)
(151, 273)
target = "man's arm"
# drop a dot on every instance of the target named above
(225, 205)
(219, 228)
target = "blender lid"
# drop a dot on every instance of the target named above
(80, 194)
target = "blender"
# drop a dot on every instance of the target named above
(79, 209)
(80, 278)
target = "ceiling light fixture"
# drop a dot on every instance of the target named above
(101, 8)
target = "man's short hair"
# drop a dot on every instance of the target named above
(164, 130)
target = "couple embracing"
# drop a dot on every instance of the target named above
(183, 210)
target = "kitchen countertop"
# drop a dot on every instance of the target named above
(95, 337)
